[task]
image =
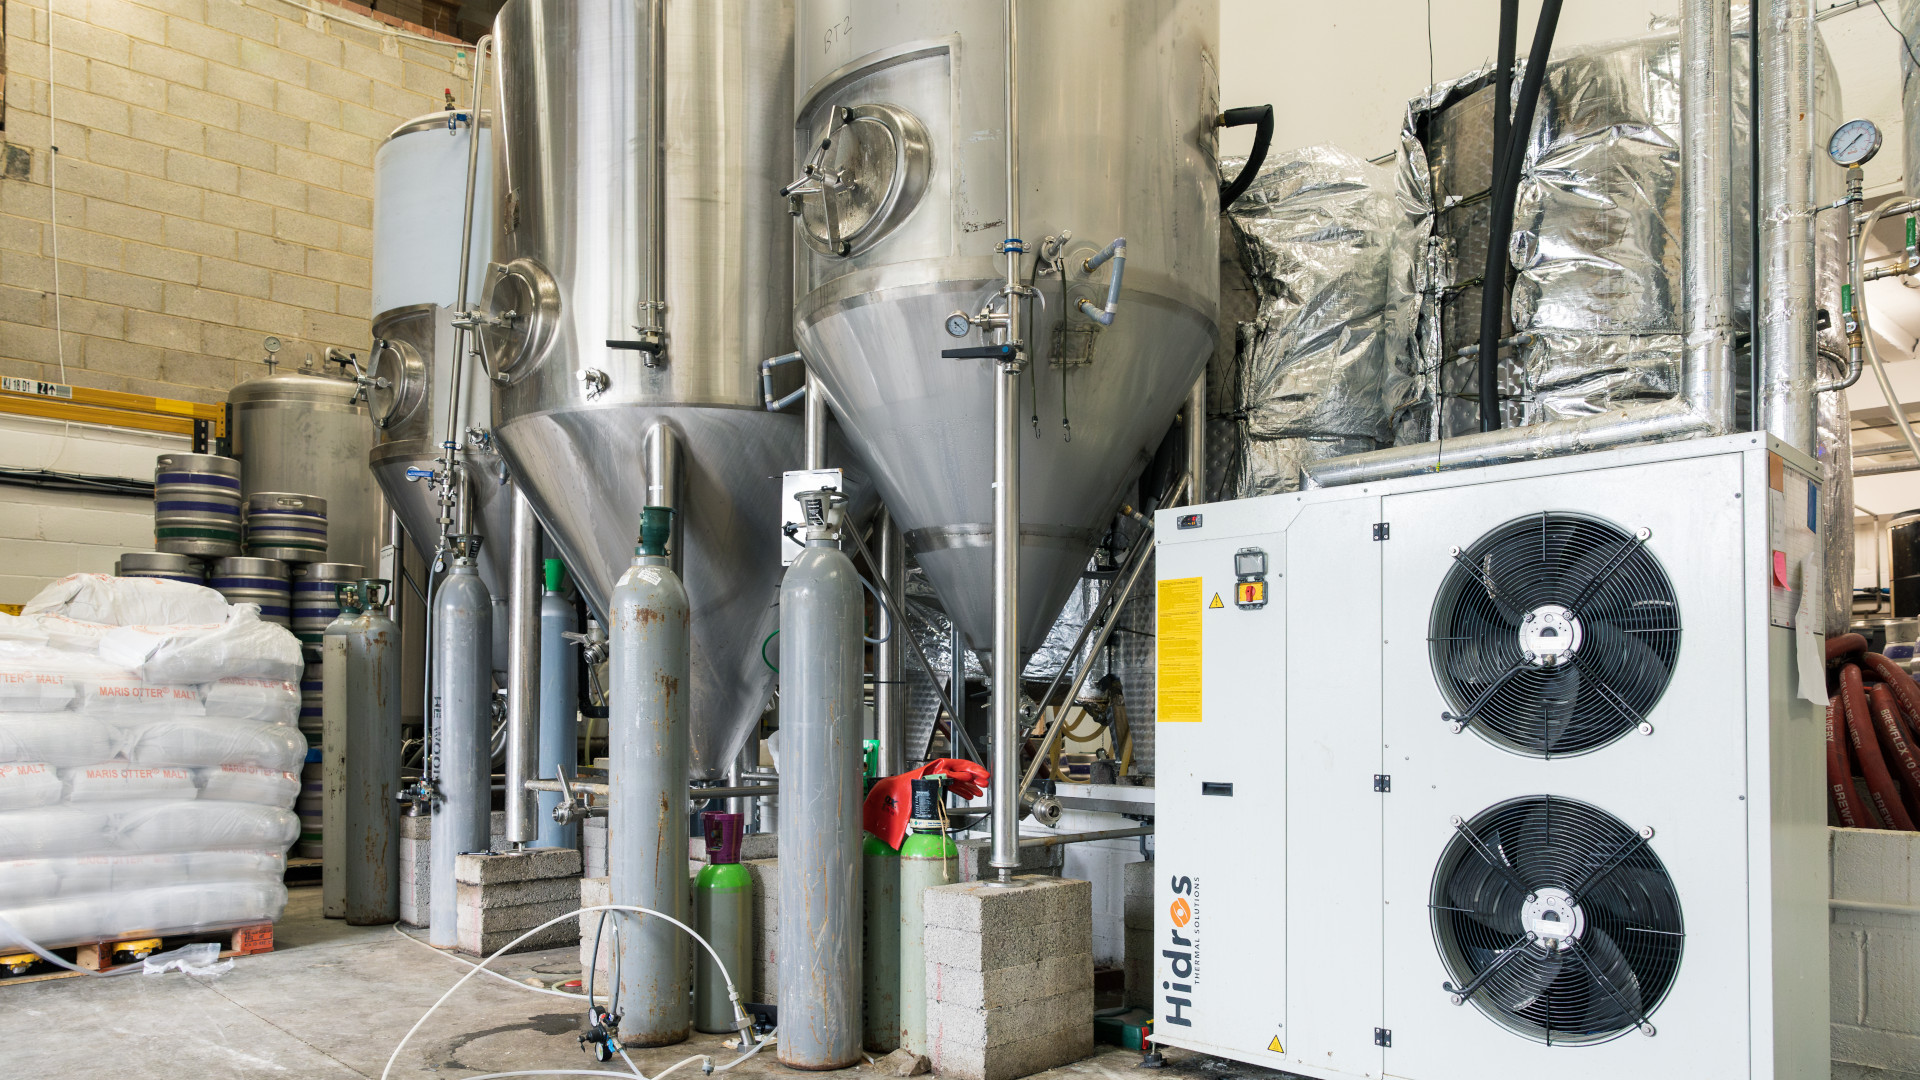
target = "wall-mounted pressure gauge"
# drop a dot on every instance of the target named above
(1854, 143)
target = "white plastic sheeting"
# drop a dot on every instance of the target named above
(153, 795)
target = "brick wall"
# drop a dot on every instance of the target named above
(215, 183)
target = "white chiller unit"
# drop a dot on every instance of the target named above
(1498, 773)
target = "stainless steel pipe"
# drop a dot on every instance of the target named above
(1785, 117)
(523, 672)
(816, 424)
(1706, 403)
(1057, 839)
(889, 693)
(1197, 442)
(1006, 506)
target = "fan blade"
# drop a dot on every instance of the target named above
(1486, 895)
(1622, 661)
(1531, 846)
(1612, 1000)
(1633, 894)
(1559, 706)
(1520, 985)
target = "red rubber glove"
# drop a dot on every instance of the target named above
(889, 804)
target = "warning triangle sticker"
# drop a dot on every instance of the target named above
(1275, 1046)
(1216, 601)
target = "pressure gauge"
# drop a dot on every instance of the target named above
(1854, 143)
(272, 345)
(958, 324)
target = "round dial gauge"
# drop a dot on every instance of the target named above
(958, 324)
(272, 344)
(1854, 143)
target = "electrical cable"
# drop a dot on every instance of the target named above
(503, 978)
(732, 992)
(13, 933)
(1908, 45)
(53, 199)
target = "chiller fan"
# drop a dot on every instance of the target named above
(1557, 920)
(1554, 634)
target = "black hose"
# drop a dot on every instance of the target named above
(1510, 154)
(1262, 117)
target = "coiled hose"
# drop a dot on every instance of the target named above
(1873, 758)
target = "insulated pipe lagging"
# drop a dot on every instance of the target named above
(1784, 317)
(1117, 251)
(1506, 186)
(766, 382)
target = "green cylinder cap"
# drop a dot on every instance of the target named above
(556, 574)
(656, 524)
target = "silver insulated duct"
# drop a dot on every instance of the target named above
(1705, 403)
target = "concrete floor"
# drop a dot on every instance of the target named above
(331, 1001)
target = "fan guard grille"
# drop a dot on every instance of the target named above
(1611, 626)
(1556, 920)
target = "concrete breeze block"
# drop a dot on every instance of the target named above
(527, 864)
(517, 893)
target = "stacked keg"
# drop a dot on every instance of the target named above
(196, 505)
(288, 527)
(244, 580)
(160, 564)
(316, 601)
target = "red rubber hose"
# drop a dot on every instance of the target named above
(1840, 645)
(1905, 691)
(1894, 746)
(1866, 748)
(1839, 773)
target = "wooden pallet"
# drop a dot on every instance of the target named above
(98, 955)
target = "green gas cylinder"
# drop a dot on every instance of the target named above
(928, 858)
(880, 884)
(723, 914)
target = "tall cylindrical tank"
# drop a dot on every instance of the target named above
(256, 581)
(822, 672)
(309, 433)
(1118, 142)
(370, 818)
(286, 526)
(927, 860)
(316, 601)
(462, 730)
(559, 704)
(419, 184)
(723, 913)
(196, 505)
(605, 250)
(649, 669)
(880, 952)
(160, 564)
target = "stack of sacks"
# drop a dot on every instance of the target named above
(149, 756)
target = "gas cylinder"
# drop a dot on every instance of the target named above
(928, 859)
(370, 818)
(723, 913)
(333, 735)
(880, 929)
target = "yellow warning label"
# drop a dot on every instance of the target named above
(1216, 602)
(1275, 1046)
(1178, 640)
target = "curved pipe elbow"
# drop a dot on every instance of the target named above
(772, 403)
(1116, 251)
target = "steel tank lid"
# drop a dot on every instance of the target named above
(302, 387)
(436, 121)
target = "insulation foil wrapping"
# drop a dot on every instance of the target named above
(1909, 94)
(1318, 236)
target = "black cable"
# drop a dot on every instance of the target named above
(85, 483)
(1508, 144)
(1903, 37)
